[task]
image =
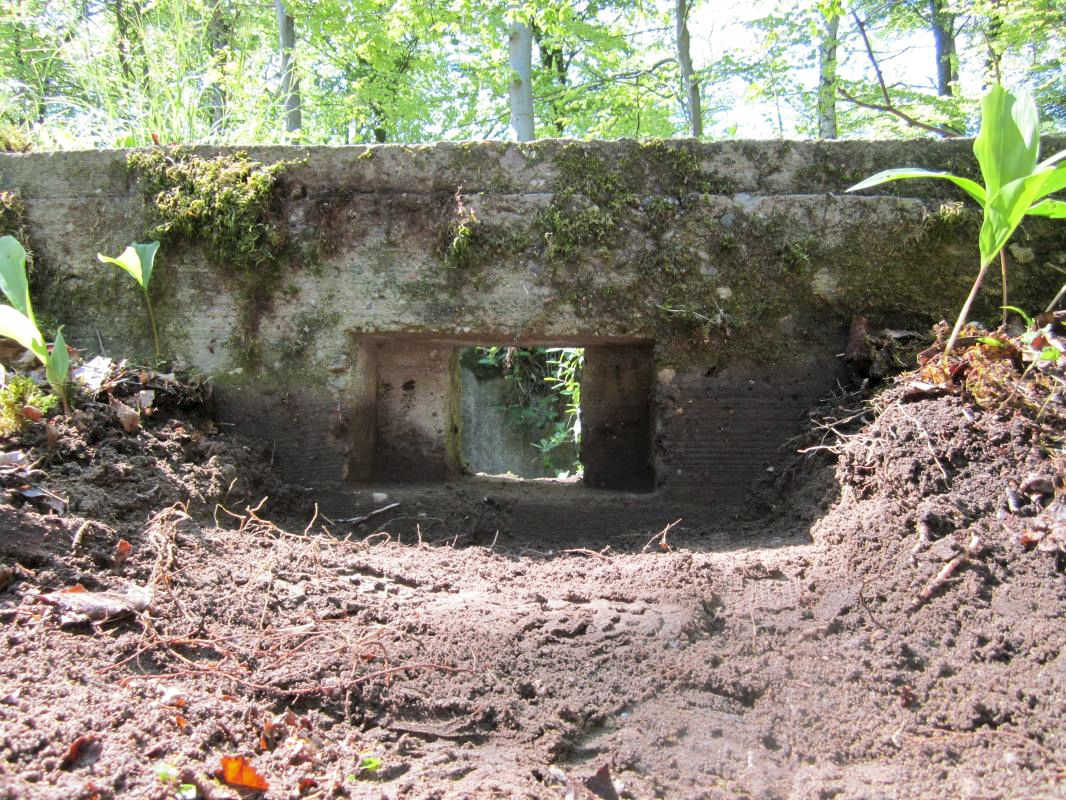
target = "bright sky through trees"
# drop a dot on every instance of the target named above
(91, 73)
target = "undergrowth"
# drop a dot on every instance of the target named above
(20, 394)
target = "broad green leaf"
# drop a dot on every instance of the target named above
(13, 275)
(137, 259)
(1055, 209)
(974, 189)
(16, 325)
(1004, 151)
(58, 364)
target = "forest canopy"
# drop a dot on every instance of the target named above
(122, 73)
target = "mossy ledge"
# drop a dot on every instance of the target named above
(230, 205)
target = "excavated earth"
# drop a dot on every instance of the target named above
(818, 656)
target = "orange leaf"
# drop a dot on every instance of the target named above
(179, 720)
(32, 413)
(122, 551)
(236, 771)
(77, 587)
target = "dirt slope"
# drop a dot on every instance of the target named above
(368, 668)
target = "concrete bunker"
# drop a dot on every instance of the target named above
(409, 394)
(712, 284)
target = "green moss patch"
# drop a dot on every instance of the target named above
(230, 205)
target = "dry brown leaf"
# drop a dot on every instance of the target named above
(128, 417)
(77, 750)
(123, 550)
(32, 413)
(236, 771)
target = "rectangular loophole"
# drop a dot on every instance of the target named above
(426, 410)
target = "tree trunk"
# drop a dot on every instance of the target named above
(520, 55)
(290, 84)
(217, 48)
(690, 86)
(943, 25)
(827, 78)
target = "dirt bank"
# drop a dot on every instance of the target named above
(815, 656)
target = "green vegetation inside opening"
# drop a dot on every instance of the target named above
(523, 416)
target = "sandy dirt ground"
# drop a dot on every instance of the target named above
(884, 621)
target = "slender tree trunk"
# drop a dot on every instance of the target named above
(215, 95)
(827, 78)
(943, 25)
(690, 86)
(290, 84)
(520, 56)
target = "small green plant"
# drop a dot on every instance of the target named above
(367, 766)
(19, 394)
(1007, 148)
(17, 321)
(138, 260)
(170, 775)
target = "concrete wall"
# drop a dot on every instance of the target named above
(724, 274)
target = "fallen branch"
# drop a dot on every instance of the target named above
(946, 572)
(661, 536)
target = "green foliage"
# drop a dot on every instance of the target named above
(18, 393)
(138, 260)
(1007, 149)
(545, 395)
(17, 320)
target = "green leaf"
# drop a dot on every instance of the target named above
(1007, 146)
(1020, 313)
(58, 365)
(1055, 209)
(137, 259)
(369, 764)
(1050, 353)
(16, 325)
(974, 189)
(187, 791)
(167, 773)
(13, 280)
(990, 341)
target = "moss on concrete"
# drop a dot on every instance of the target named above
(229, 204)
(12, 216)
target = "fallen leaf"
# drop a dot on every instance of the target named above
(122, 551)
(306, 783)
(51, 435)
(82, 606)
(12, 458)
(236, 771)
(128, 417)
(53, 501)
(77, 749)
(174, 696)
(180, 721)
(601, 784)
(32, 413)
(145, 398)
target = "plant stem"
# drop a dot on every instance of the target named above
(151, 318)
(1003, 271)
(966, 309)
(1055, 302)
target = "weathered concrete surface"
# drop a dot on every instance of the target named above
(736, 265)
